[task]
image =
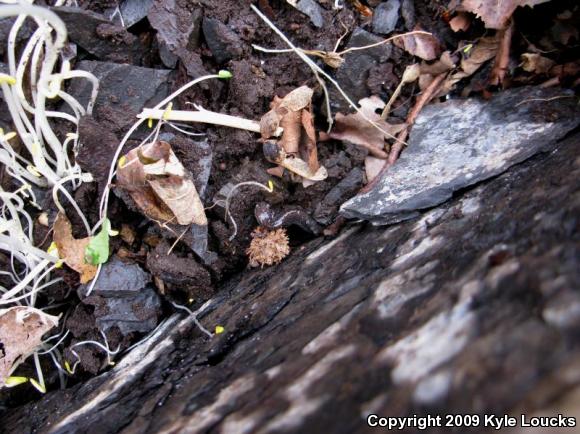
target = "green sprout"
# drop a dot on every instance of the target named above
(97, 252)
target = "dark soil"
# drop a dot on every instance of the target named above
(236, 156)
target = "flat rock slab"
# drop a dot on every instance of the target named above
(124, 91)
(100, 36)
(461, 142)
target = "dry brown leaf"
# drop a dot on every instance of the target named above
(357, 130)
(308, 141)
(373, 167)
(300, 167)
(484, 50)
(423, 46)
(269, 124)
(160, 186)
(277, 155)
(72, 250)
(443, 64)
(292, 134)
(180, 196)
(460, 22)
(496, 13)
(21, 330)
(536, 64)
(298, 142)
(297, 99)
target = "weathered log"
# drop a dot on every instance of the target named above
(473, 307)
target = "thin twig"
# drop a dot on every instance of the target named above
(425, 97)
(502, 57)
(384, 41)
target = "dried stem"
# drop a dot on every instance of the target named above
(502, 58)
(425, 97)
(398, 146)
(384, 41)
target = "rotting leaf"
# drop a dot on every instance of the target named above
(181, 198)
(21, 331)
(473, 58)
(460, 22)
(424, 46)
(277, 155)
(160, 186)
(534, 63)
(71, 250)
(495, 14)
(298, 142)
(355, 129)
(97, 251)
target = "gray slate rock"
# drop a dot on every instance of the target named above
(461, 142)
(123, 297)
(326, 210)
(99, 36)
(124, 91)
(353, 74)
(178, 31)
(224, 44)
(408, 13)
(385, 17)
(131, 11)
(25, 32)
(312, 10)
(118, 279)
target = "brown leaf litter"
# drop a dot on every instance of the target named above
(495, 14)
(21, 331)
(355, 129)
(72, 250)
(160, 186)
(296, 150)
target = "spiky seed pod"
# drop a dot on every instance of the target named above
(267, 247)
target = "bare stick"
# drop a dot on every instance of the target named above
(502, 58)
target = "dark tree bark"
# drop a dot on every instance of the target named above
(474, 307)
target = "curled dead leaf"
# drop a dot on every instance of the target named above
(355, 129)
(21, 331)
(460, 22)
(298, 142)
(495, 14)
(537, 64)
(160, 186)
(181, 198)
(424, 46)
(72, 250)
(473, 58)
(297, 99)
(277, 155)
